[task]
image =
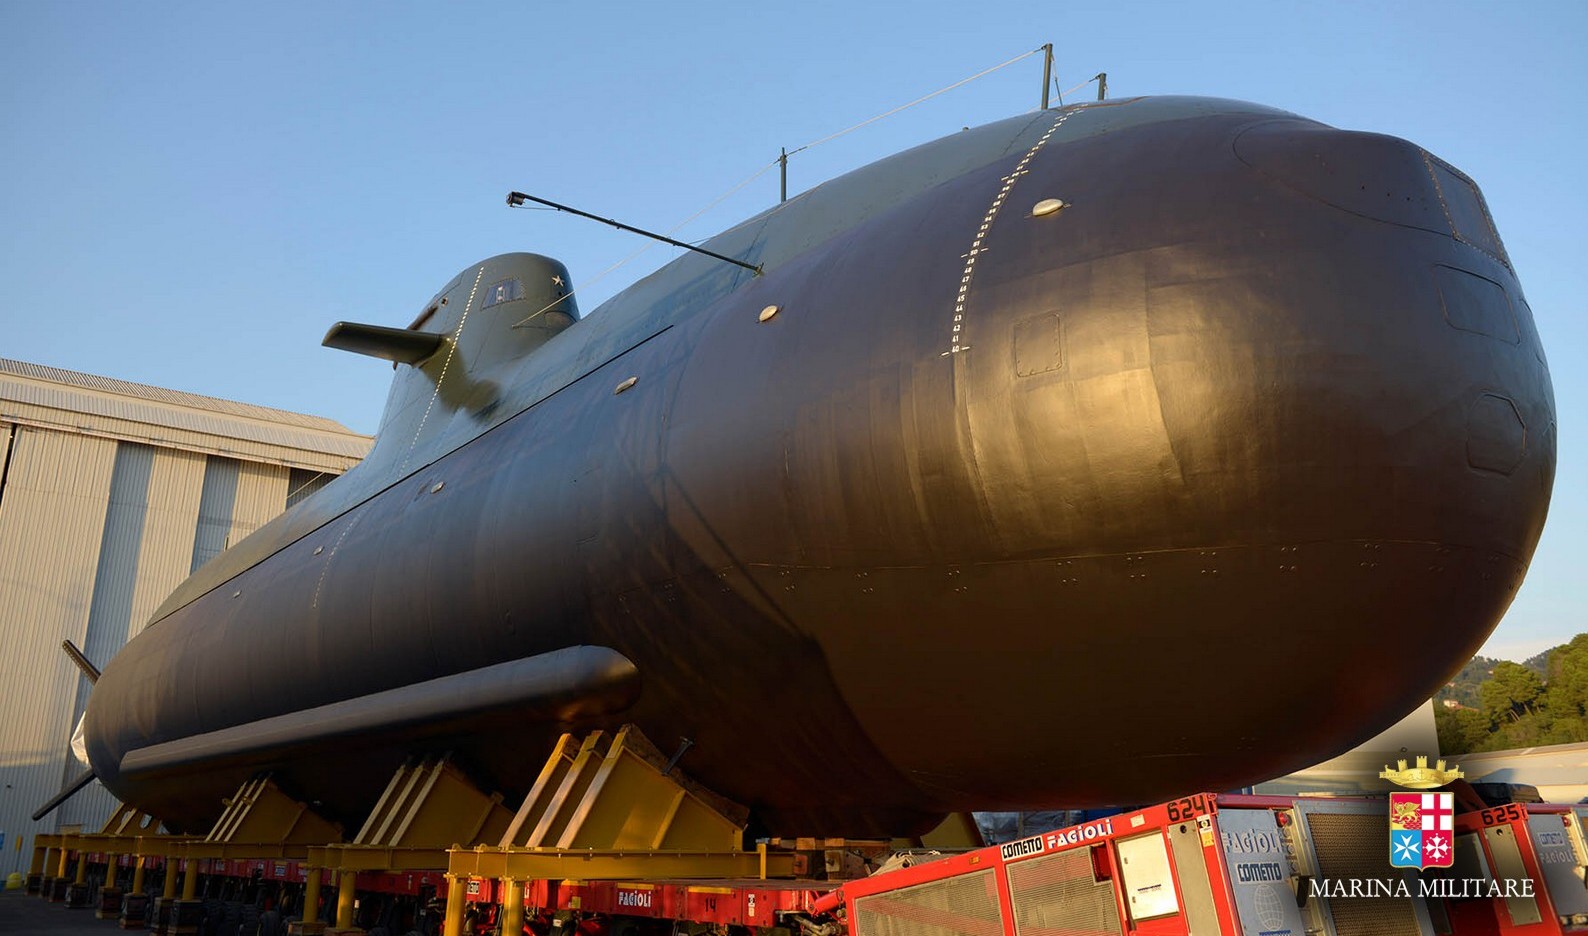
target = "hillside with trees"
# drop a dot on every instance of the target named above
(1511, 705)
(1463, 687)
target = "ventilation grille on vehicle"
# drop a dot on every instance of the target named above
(1059, 893)
(957, 906)
(1354, 845)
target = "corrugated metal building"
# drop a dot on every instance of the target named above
(111, 494)
(1560, 771)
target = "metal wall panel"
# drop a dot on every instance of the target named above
(7, 431)
(219, 496)
(85, 403)
(303, 482)
(100, 520)
(189, 417)
(209, 434)
(175, 486)
(108, 385)
(52, 521)
(110, 609)
(261, 495)
(100, 494)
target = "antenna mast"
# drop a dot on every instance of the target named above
(1047, 72)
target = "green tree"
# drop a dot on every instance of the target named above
(1461, 731)
(1510, 693)
(1463, 687)
(1567, 672)
(1543, 701)
(1528, 730)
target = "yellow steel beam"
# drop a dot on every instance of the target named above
(241, 851)
(614, 865)
(373, 858)
(311, 894)
(540, 795)
(434, 806)
(633, 802)
(127, 821)
(399, 790)
(174, 846)
(454, 920)
(512, 907)
(157, 846)
(171, 846)
(344, 899)
(575, 781)
(137, 875)
(260, 812)
(957, 832)
(190, 881)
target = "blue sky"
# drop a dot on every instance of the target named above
(191, 193)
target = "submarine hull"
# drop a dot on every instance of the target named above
(1206, 476)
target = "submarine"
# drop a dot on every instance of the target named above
(1093, 456)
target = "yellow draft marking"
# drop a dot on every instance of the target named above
(957, 341)
(452, 349)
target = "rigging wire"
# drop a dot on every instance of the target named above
(649, 244)
(764, 169)
(919, 100)
(1074, 89)
(299, 489)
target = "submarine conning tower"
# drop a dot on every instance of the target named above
(484, 322)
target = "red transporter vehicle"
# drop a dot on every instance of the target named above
(1241, 866)
(1538, 842)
